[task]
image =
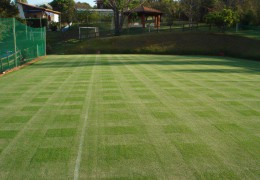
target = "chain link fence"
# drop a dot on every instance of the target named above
(19, 43)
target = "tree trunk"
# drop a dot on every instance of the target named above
(121, 21)
(117, 22)
(190, 22)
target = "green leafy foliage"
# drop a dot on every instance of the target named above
(23, 1)
(67, 9)
(7, 9)
(119, 6)
(222, 19)
(171, 9)
(249, 17)
(191, 8)
(54, 26)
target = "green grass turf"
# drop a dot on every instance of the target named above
(131, 117)
(254, 34)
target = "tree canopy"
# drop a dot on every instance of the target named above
(223, 18)
(67, 9)
(248, 11)
(83, 5)
(8, 9)
(119, 6)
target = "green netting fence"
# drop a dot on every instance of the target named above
(19, 43)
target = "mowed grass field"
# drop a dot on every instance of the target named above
(131, 117)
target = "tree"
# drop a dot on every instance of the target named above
(23, 1)
(84, 16)
(119, 7)
(170, 8)
(8, 9)
(67, 9)
(249, 12)
(46, 6)
(82, 13)
(191, 9)
(82, 5)
(222, 19)
(258, 12)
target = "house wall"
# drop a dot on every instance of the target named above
(50, 16)
(21, 13)
(36, 15)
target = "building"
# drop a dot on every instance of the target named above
(144, 14)
(28, 11)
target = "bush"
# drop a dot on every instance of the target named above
(223, 19)
(54, 26)
(249, 18)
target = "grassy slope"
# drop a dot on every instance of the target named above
(253, 34)
(193, 43)
(150, 117)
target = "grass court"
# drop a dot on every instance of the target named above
(131, 117)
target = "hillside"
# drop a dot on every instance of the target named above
(188, 43)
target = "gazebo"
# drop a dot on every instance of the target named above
(144, 13)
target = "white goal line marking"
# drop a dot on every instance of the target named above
(83, 131)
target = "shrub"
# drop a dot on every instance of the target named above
(223, 19)
(54, 26)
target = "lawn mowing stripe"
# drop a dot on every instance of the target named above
(20, 142)
(152, 131)
(84, 127)
(14, 146)
(166, 100)
(211, 134)
(202, 98)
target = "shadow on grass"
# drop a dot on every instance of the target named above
(215, 71)
(213, 64)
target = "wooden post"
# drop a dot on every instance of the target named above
(159, 21)
(155, 21)
(143, 21)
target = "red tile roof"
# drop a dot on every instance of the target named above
(145, 10)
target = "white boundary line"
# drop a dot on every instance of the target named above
(83, 131)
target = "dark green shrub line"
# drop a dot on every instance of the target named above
(177, 43)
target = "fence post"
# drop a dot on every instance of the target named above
(26, 30)
(37, 53)
(79, 33)
(41, 26)
(8, 62)
(45, 43)
(2, 68)
(14, 34)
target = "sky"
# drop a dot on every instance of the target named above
(37, 2)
